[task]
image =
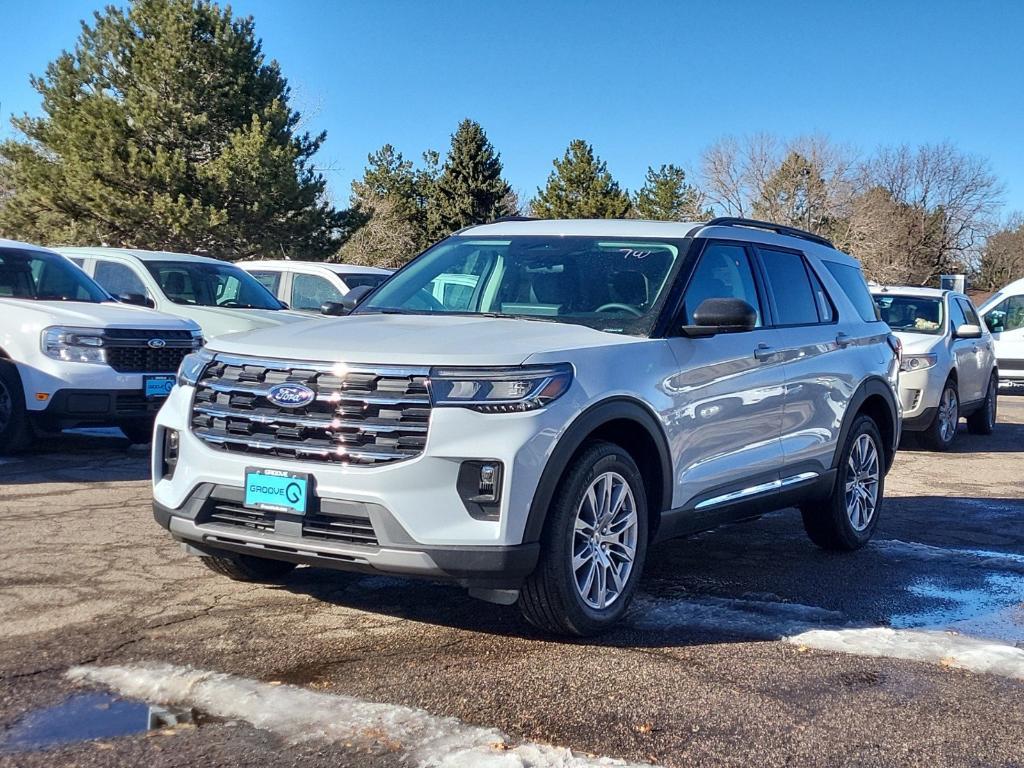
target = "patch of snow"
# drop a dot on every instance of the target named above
(994, 609)
(96, 432)
(1010, 561)
(944, 648)
(751, 618)
(299, 715)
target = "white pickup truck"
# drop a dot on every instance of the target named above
(70, 355)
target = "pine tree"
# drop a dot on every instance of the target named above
(470, 189)
(665, 196)
(167, 128)
(580, 187)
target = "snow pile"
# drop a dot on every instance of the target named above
(1007, 561)
(758, 619)
(944, 648)
(297, 715)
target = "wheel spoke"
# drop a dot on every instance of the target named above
(604, 540)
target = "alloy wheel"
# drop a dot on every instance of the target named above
(949, 415)
(862, 474)
(604, 540)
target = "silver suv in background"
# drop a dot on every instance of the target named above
(949, 364)
(593, 387)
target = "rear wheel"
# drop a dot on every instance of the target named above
(983, 420)
(246, 568)
(845, 521)
(15, 429)
(593, 548)
(940, 433)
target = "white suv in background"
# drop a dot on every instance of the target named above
(306, 286)
(597, 386)
(1003, 313)
(70, 355)
(216, 294)
(949, 366)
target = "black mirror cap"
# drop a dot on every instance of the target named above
(137, 299)
(351, 299)
(722, 316)
(333, 309)
(968, 331)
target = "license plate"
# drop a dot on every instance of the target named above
(276, 490)
(157, 386)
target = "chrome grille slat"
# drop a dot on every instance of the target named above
(361, 415)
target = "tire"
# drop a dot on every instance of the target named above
(138, 432)
(839, 523)
(248, 568)
(15, 428)
(552, 599)
(983, 420)
(940, 435)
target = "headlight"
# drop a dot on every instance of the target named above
(74, 345)
(499, 390)
(192, 367)
(918, 362)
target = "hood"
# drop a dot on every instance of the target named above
(91, 315)
(917, 343)
(217, 321)
(420, 340)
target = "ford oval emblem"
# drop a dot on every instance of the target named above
(291, 395)
(156, 343)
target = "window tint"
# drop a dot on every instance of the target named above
(915, 314)
(790, 285)
(356, 280)
(1007, 315)
(826, 309)
(851, 280)
(209, 284)
(269, 280)
(956, 315)
(44, 276)
(310, 291)
(119, 279)
(969, 313)
(724, 272)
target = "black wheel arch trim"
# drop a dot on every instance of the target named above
(874, 386)
(575, 435)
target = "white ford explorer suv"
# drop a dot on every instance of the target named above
(949, 366)
(70, 355)
(604, 385)
(216, 294)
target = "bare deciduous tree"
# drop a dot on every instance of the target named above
(388, 238)
(1002, 258)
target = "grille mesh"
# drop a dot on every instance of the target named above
(361, 415)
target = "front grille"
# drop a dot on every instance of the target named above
(128, 349)
(362, 415)
(144, 359)
(227, 513)
(351, 530)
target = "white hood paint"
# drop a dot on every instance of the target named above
(417, 340)
(217, 321)
(917, 343)
(40, 314)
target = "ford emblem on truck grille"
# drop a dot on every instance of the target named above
(156, 343)
(291, 395)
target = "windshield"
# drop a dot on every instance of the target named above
(210, 285)
(915, 314)
(605, 283)
(41, 276)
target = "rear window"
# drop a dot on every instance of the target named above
(851, 280)
(360, 280)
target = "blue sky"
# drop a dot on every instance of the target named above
(646, 82)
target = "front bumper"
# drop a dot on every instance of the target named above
(919, 394)
(69, 407)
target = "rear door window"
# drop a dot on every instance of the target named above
(790, 286)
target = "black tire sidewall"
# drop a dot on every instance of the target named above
(15, 433)
(599, 458)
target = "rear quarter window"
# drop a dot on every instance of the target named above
(852, 281)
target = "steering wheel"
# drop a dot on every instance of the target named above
(424, 300)
(620, 307)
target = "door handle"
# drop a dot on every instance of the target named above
(843, 340)
(763, 352)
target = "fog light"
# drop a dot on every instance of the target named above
(171, 438)
(488, 483)
(479, 486)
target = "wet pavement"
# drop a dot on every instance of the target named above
(719, 662)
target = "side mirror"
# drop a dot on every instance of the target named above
(715, 316)
(348, 302)
(284, 304)
(968, 331)
(137, 299)
(996, 321)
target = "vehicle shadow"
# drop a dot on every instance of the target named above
(82, 456)
(744, 582)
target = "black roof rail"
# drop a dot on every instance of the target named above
(502, 219)
(781, 229)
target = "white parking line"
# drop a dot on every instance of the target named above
(298, 715)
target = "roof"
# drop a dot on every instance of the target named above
(140, 254)
(340, 269)
(4, 243)
(909, 290)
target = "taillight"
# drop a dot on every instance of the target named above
(897, 347)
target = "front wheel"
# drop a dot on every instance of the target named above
(983, 420)
(247, 568)
(845, 521)
(15, 429)
(940, 433)
(593, 548)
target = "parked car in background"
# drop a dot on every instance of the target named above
(949, 364)
(594, 386)
(216, 294)
(1003, 313)
(305, 286)
(70, 355)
